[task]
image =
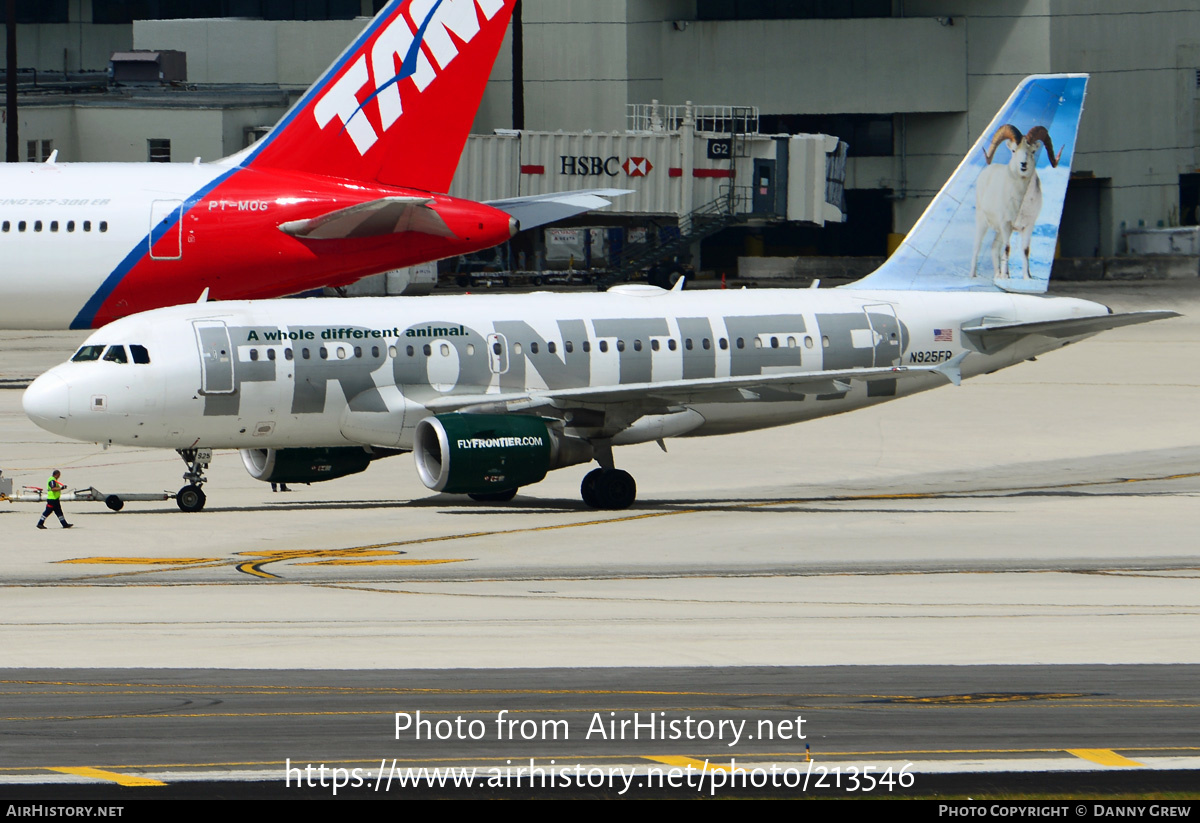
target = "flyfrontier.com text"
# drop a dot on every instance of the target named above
(602, 726)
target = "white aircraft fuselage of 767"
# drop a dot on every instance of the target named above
(492, 392)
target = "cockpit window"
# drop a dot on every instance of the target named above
(140, 355)
(87, 353)
(116, 354)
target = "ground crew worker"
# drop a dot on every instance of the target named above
(54, 491)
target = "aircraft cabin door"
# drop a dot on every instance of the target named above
(166, 229)
(885, 328)
(216, 357)
(497, 353)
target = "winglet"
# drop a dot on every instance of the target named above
(203, 296)
(952, 368)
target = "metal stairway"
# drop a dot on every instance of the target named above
(694, 226)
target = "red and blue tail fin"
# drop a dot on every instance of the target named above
(397, 105)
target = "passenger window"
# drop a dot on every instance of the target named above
(116, 354)
(323, 353)
(53, 225)
(445, 350)
(825, 340)
(270, 355)
(724, 344)
(427, 351)
(375, 351)
(87, 353)
(470, 350)
(637, 345)
(672, 345)
(409, 351)
(254, 354)
(587, 345)
(37, 225)
(808, 343)
(7, 226)
(687, 344)
(103, 225)
(551, 347)
(21, 226)
(707, 345)
(533, 348)
(603, 345)
(791, 342)
(620, 345)
(654, 345)
(569, 346)
(287, 354)
(774, 342)
(87, 225)
(496, 348)
(516, 348)
(341, 353)
(70, 225)
(358, 351)
(392, 352)
(758, 342)
(305, 353)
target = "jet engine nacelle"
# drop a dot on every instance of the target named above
(486, 453)
(307, 465)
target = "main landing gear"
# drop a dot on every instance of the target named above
(608, 489)
(191, 497)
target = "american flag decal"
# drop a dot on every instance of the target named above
(943, 335)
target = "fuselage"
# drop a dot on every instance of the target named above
(301, 373)
(84, 244)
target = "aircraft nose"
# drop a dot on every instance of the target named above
(45, 403)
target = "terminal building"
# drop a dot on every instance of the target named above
(640, 94)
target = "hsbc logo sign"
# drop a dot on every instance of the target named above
(637, 166)
(594, 166)
(431, 25)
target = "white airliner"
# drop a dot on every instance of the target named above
(492, 392)
(349, 183)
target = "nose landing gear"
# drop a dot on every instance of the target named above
(191, 497)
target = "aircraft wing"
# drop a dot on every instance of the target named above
(699, 390)
(541, 209)
(387, 215)
(991, 337)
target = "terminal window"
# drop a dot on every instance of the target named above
(159, 150)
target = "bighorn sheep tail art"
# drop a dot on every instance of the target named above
(1008, 197)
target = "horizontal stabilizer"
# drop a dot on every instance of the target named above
(993, 337)
(543, 209)
(388, 215)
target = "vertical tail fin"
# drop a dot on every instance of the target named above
(397, 105)
(994, 224)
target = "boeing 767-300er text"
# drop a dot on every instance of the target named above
(347, 184)
(492, 392)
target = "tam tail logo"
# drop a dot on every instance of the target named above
(397, 105)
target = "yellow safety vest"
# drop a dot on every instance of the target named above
(53, 489)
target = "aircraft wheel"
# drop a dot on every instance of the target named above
(587, 489)
(493, 497)
(190, 498)
(115, 503)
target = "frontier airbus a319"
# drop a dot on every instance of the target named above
(492, 392)
(347, 184)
